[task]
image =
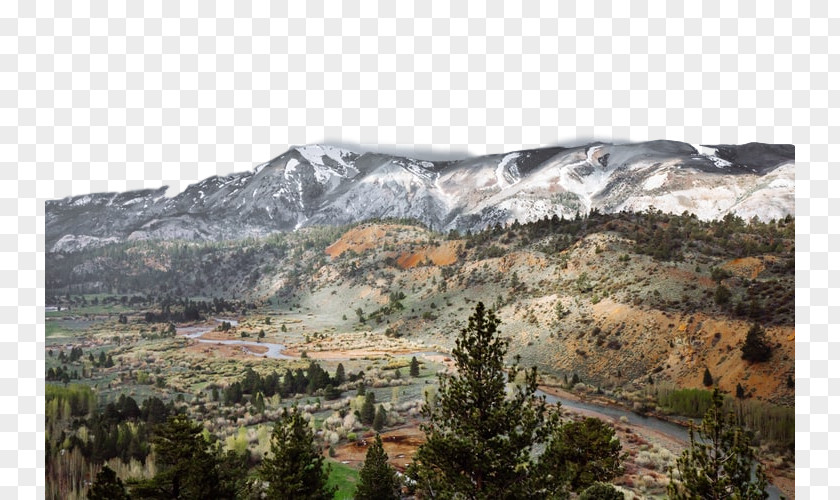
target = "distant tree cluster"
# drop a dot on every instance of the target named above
(315, 378)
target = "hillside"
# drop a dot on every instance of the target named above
(619, 299)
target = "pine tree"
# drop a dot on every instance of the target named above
(414, 369)
(708, 381)
(480, 440)
(377, 479)
(295, 466)
(186, 465)
(722, 295)
(340, 377)
(107, 486)
(368, 411)
(756, 346)
(601, 491)
(739, 392)
(719, 462)
(580, 454)
(380, 419)
(259, 403)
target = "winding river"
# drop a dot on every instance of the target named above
(274, 350)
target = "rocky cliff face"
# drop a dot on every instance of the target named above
(323, 185)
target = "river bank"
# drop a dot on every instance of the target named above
(667, 434)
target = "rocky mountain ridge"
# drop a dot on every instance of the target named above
(323, 185)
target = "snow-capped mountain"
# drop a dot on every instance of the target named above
(323, 185)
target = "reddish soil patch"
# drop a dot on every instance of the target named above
(400, 445)
(365, 238)
(219, 335)
(358, 239)
(748, 267)
(442, 255)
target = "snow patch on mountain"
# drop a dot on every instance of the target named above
(503, 177)
(711, 154)
(73, 242)
(655, 181)
(291, 167)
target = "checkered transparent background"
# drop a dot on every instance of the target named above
(108, 96)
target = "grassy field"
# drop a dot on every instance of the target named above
(345, 477)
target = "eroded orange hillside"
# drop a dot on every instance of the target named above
(677, 348)
(748, 267)
(409, 244)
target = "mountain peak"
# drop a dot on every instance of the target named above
(320, 184)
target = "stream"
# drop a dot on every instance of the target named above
(195, 332)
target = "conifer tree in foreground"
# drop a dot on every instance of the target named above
(107, 486)
(377, 479)
(580, 454)
(720, 464)
(295, 466)
(479, 440)
(414, 368)
(187, 466)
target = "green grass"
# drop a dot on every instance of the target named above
(345, 477)
(51, 329)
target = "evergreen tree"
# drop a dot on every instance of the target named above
(259, 403)
(186, 466)
(414, 368)
(340, 377)
(601, 491)
(234, 481)
(719, 462)
(331, 392)
(756, 346)
(368, 412)
(380, 419)
(295, 466)
(722, 295)
(479, 439)
(708, 381)
(580, 454)
(107, 486)
(377, 479)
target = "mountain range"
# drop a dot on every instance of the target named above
(324, 185)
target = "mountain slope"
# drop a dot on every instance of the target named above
(323, 185)
(554, 284)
